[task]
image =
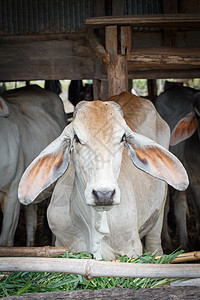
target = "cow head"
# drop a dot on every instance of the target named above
(4, 111)
(98, 134)
(186, 127)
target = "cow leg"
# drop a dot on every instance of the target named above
(10, 209)
(31, 223)
(153, 237)
(136, 248)
(166, 239)
(180, 211)
(196, 202)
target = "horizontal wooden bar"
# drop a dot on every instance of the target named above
(163, 74)
(45, 59)
(45, 251)
(164, 58)
(159, 20)
(91, 268)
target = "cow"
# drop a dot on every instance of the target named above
(30, 118)
(53, 86)
(78, 92)
(180, 107)
(103, 203)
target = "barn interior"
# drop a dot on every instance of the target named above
(110, 42)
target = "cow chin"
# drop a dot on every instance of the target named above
(102, 198)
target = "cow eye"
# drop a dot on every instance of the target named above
(77, 139)
(123, 138)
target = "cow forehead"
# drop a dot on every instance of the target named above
(98, 118)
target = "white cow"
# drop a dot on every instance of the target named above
(30, 119)
(103, 203)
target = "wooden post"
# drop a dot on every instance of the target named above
(117, 68)
(100, 89)
(100, 82)
(125, 40)
(152, 89)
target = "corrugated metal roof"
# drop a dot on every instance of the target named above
(60, 16)
(43, 16)
(140, 7)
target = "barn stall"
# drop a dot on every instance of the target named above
(110, 42)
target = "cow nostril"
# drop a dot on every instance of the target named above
(103, 198)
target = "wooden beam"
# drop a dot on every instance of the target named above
(117, 69)
(162, 20)
(98, 48)
(100, 88)
(45, 59)
(152, 89)
(125, 40)
(111, 40)
(91, 268)
(45, 251)
(164, 74)
(164, 58)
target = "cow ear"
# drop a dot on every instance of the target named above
(4, 111)
(184, 129)
(46, 168)
(156, 160)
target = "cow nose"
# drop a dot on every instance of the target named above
(103, 198)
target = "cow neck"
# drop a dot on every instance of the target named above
(96, 223)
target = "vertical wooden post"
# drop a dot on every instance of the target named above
(125, 40)
(152, 89)
(100, 82)
(117, 68)
(100, 89)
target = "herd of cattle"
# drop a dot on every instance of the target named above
(107, 172)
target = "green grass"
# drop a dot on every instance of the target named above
(18, 283)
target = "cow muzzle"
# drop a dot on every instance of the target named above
(103, 198)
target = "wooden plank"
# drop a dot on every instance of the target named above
(163, 74)
(100, 88)
(48, 59)
(160, 20)
(117, 69)
(45, 251)
(190, 51)
(152, 89)
(164, 58)
(152, 39)
(111, 40)
(125, 40)
(188, 292)
(98, 48)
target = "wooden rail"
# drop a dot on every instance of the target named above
(171, 57)
(159, 20)
(91, 268)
